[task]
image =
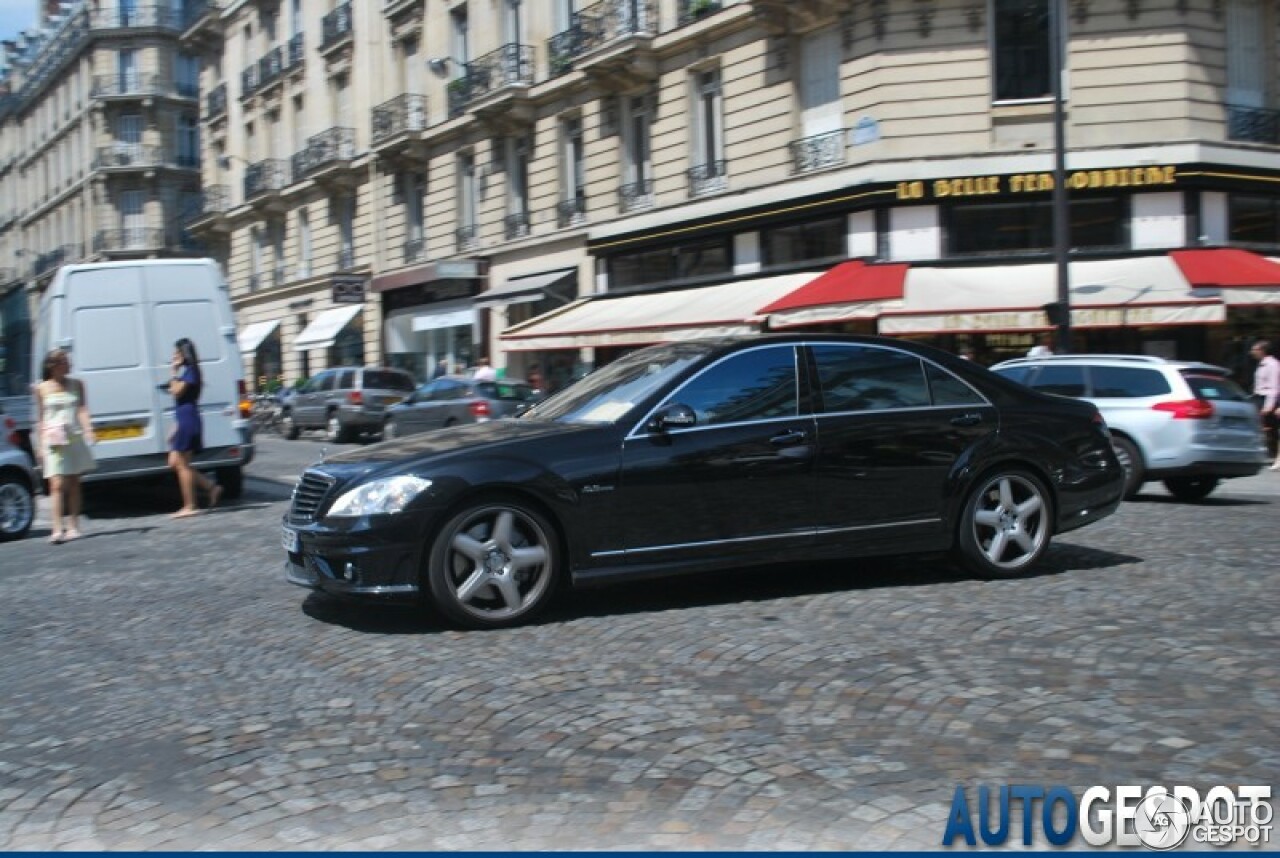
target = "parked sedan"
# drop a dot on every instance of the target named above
(450, 400)
(708, 455)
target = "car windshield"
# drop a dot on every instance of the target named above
(608, 395)
(380, 380)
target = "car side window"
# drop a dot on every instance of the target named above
(751, 385)
(946, 389)
(1062, 380)
(865, 378)
(324, 381)
(450, 390)
(1125, 382)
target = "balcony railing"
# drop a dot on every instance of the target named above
(404, 113)
(295, 52)
(688, 11)
(270, 67)
(516, 225)
(709, 178)
(509, 65)
(128, 16)
(216, 199)
(1253, 124)
(128, 238)
(215, 103)
(264, 176)
(564, 47)
(571, 212)
(818, 152)
(273, 65)
(467, 237)
(249, 81)
(415, 250)
(126, 85)
(635, 196)
(325, 149)
(138, 155)
(346, 258)
(336, 26)
(597, 25)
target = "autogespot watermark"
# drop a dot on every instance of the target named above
(1155, 817)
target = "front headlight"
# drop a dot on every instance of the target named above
(380, 497)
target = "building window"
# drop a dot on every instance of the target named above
(573, 176)
(1253, 220)
(707, 173)
(127, 68)
(255, 259)
(187, 70)
(1099, 223)
(517, 222)
(188, 141)
(801, 242)
(304, 244)
(710, 257)
(415, 240)
(637, 164)
(280, 273)
(346, 233)
(468, 202)
(1022, 56)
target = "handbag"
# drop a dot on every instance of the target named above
(55, 435)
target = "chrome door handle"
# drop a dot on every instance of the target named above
(788, 439)
(966, 420)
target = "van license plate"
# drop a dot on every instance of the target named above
(289, 540)
(117, 433)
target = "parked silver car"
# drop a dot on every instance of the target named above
(451, 400)
(344, 401)
(1182, 422)
(17, 483)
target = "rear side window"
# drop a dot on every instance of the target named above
(949, 390)
(346, 380)
(861, 378)
(1215, 388)
(1127, 382)
(382, 380)
(1062, 380)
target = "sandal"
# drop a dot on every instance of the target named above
(185, 513)
(68, 535)
(55, 538)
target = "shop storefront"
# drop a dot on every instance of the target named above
(261, 348)
(430, 323)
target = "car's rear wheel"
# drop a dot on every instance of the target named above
(1131, 462)
(389, 430)
(1191, 488)
(1006, 524)
(17, 507)
(493, 564)
(288, 428)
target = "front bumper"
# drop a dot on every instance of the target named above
(376, 560)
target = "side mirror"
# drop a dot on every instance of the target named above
(675, 416)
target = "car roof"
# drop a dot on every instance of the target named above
(1113, 360)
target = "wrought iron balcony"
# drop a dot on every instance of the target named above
(571, 212)
(516, 225)
(818, 152)
(335, 147)
(1253, 124)
(688, 11)
(336, 27)
(415, 250)
(467, 237)
(635, 196)
(127, 16)
(129, 238)
(346, 258)
(126, 85)
(598, 26)
(215, 201)
(510, 65)
(608, 20)
(393, 8)
(564, 47)
(265, 177)
(403, 114)
(295, 52)
(270, 67)
(215, 103)
(128, 155)
(709, 178)
(249, 81)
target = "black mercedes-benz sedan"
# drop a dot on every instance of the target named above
(705, 455)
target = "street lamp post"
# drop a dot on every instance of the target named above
(1061, 206)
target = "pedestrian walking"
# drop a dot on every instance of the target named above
(442, 368)
(186, 439)
(63, 435)
(484, 371)
(1044, 348)
(1266, 392)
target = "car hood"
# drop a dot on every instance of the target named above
(443, 442)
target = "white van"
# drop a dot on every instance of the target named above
(119, 321)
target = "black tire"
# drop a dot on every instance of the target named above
(17, 507)
(499, 564)
(452, 421)
(1131, 461)
(232, 481)
(1006, 524)
(288, 428)
(334, 431)
(389, 430)
(1191, 489)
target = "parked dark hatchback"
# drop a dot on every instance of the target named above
(706, 455)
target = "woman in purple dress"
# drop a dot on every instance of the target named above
(185, 441)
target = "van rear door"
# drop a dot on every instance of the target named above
(113, 355)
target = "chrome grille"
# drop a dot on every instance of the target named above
(308, 495)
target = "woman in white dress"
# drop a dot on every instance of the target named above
(63, 436)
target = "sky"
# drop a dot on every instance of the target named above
(16, 15)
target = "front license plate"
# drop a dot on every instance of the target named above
(117, 433)
(289, 539)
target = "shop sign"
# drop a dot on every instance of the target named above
(1023, 183)
(347, 288)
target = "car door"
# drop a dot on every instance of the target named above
(308, 405)
(412, 415)
(891, 429)
(739, 481)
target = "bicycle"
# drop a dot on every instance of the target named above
(264, 413)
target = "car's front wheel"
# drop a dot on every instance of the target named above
(493, 564)
(1006, 524)
(1191, 489)
(17, 507)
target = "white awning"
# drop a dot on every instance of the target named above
(1148, 290)
(251, 336)
(447, 319)
(325, 327)
(654, 317)
(522, 290)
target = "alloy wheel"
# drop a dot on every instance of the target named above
(16, 510)
(497, 564)
(1010, 522)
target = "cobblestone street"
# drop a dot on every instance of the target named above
(166, 689)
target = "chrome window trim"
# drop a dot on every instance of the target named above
(770, 536)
